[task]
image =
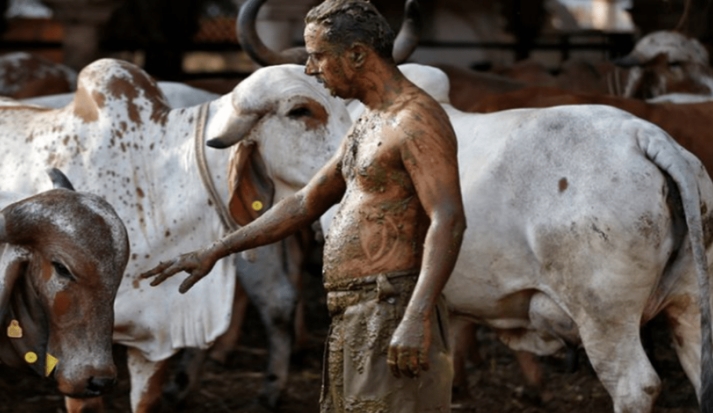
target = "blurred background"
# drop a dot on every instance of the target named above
(184, 39)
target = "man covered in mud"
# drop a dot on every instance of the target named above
(396, 236)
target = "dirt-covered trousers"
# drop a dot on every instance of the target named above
(356, 378)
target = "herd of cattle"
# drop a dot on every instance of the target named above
(589, 208)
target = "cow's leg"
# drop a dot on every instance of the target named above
(91, 405)
(190, 362)
(684, 322)
(533, 372)
(295, 251)
(268, 286)
(617, 356)
(613, 345)
(226, 343)
(188, 368)
(464, 342)
(147, 379)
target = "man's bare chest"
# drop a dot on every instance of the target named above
(372, 151)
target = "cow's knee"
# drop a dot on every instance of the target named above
(622, 366)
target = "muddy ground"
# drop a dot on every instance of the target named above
(496, 384)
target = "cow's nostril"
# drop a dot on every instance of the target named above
(100, 384)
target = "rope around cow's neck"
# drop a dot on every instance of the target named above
(229, 224)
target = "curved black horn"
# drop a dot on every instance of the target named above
(682, 26)
(407, 39)
(404, 45)
(3, 233)
(254, 47)
(59, 179)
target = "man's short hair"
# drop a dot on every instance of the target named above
(350, 21)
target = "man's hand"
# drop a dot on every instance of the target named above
(197, 263)
(408, 351)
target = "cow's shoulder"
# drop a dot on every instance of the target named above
(113, 87)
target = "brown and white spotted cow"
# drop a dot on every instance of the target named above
(119, 138)
(62, 257)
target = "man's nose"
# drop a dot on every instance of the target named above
(310, 69)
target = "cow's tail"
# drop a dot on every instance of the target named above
(663, 152)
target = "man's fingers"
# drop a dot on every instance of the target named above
(162, 277)
(155, 270)
(391, 361)
(423, 361)
(189, 282)
(408, 362)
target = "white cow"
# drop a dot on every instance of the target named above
(664, 62)
(584, 222)
(119, 138)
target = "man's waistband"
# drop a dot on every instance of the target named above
(360, 283)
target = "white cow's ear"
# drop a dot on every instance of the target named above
(251, 189)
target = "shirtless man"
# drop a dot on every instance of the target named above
(396, 236)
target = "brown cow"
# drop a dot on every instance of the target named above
(24, 75)
(63, 254)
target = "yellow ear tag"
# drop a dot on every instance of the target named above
(50, 364)
(30, 357)
(14, 330)
(257, 206)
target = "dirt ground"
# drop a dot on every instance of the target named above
(496, 384)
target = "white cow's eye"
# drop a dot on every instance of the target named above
(62, 271)
(299, 112)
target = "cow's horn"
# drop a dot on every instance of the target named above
(59, 179)
(405, 43)
(3, 233)
(407, 39)
(254, 47)
(236, 131)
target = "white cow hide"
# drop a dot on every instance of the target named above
(178, 95)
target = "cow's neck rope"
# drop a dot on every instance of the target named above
(226, 219)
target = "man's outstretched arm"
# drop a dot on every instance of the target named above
(283, 219)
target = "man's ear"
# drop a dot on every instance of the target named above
(357, 54)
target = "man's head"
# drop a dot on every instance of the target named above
(347, 22)
(340, 36)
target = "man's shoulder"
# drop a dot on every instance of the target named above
(420, 105)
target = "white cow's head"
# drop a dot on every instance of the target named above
(285, 126)
(63, 254)
(678, 47)
(665, 62)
